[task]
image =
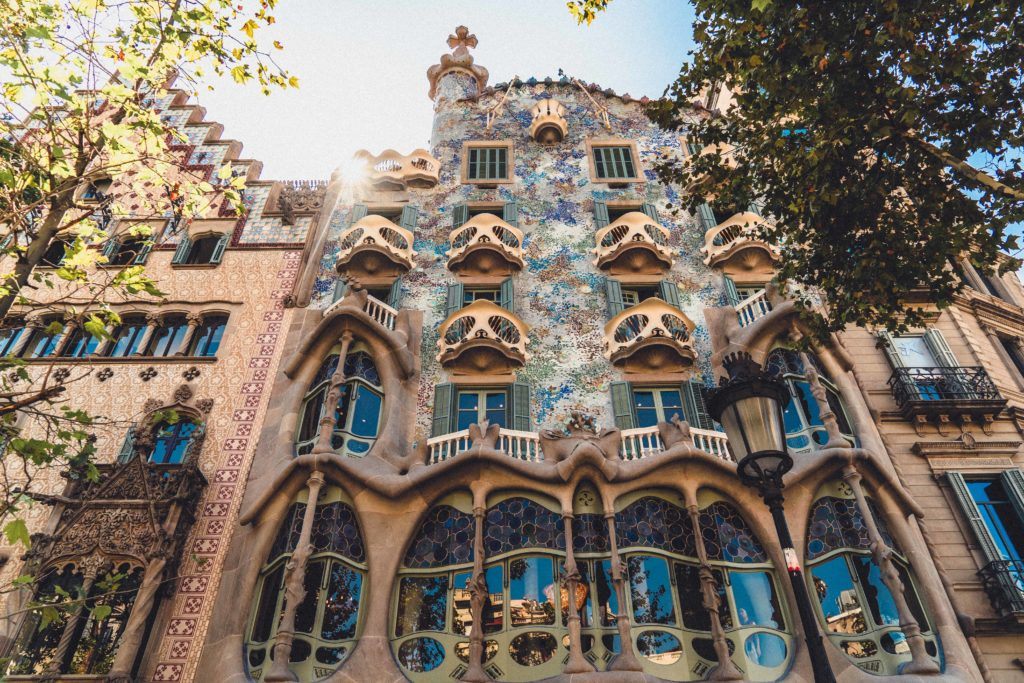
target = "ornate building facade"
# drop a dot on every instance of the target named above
(453, 426)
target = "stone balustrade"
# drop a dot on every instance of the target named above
(515, 443)
(753, 308)
(644, 442)
(392, 170)
(635, 243)
(375, 308)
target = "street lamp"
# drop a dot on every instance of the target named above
(749, 407)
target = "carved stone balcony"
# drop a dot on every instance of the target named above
(391, 170)
(486, 245)
(650, 337)
(645, 442)
(737, 242)
(374, 247)
(482, 338)
(549, 126)
(1004, 583)
(516, 444)
(942, 394)
(633, 244)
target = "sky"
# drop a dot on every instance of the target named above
(362, 69)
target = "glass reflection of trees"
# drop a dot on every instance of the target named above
(857, 608)
(327, 621)
(805, 430)
(357, 415)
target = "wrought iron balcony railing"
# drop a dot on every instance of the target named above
(942, 385)
(1004, 582)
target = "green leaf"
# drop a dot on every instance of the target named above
(760, 5)
(101, 612)
(16, 531)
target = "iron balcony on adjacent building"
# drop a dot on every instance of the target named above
(944, 393)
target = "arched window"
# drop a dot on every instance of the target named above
(80, 343)
(54, 255)
(206, 339)
(167, 337)
(126, 337)
(171, 442)
(93, 641)
(327, 622)
(856, 607)
(804, 429)
(358, 412)
(43, 340)
(127, 250)
(205, 250)
(9, 337)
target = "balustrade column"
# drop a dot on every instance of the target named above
(726, 669)
(571, 580)
(920, 662)
(477, 597)
(91, 568)
(152, 321)
(26, 334)
(294, 586)
(65, 337)
(330, 410)
(626, 661)
(135, 628)
(194, 321)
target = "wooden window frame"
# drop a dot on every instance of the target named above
(638, 171)
(510, 159)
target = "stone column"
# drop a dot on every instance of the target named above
(323, 442)
(828, 418)
(294, 587)
(65, 336)
(152, 320)
(477, 597)
(577, 663)
(920, 662)
(1004, 355)
(726, 669)
(626, 661)
(194, 321)
(26, 334)
(90, 570)
(135, 627)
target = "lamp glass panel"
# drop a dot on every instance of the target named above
(754, 424)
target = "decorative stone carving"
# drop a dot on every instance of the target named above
(459, 61)
(183, 393)
(549, 126)
(299, 197)
(580, 433)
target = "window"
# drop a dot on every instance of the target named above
(206, 339)
(459, 295)
(126, 337)
(54, 254)
(805, 430)
(645, 406)
(919, 360)
(205, 250)
(657, 404)
(9, 339)
(81, 343)
(470, 295)
(43, 340)
(476, 405)
(621, 296)
(328, 619)
(506, 211)
(456, 408)
(614, 162)
(167, 336)
(634, 294)
(1013, 349)
(487, 162)
(172, 441)
(1000, 517)
(128, 251)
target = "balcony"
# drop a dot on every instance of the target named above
(943, 393)
(391, 170)
(634, 244)
(650, 337)
(379, 311)
(374, 247)
(753, 308)
(482, 338)
(486, 245)
(515, 444)
(549, 126)
(646, 441)
(737, 242)
(1003, 581)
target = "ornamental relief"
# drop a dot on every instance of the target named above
(114, 531)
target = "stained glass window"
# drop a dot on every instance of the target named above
(444, 538)
(520, 523)
(805, 429)
(655, 523)
(727, 536)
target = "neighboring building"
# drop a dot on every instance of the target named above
(465, 394)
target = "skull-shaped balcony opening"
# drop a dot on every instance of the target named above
(549, 126)
(633, 244)
(391, 170)
(486, 245)
(650, 337)
(737, 242)
(375, 248)
(482, 338)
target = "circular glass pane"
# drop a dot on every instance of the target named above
(330, 655)
(300, 651)
(256, 657)
(895, 643)
(766, 649)
(661, 647)
(858, 649)
(421, 654)
(533, 648)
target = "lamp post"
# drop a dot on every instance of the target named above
(749, 407)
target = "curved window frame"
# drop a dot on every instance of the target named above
(171, 441)
(805, 431)
(126, 337)
(207, 338)
(167, 336)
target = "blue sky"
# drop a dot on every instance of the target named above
(362, 66)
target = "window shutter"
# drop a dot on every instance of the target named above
(601, 218)
(181, 253)
(460, 214)
(691, 147)
(511, 213)
(110, 247)
(940, 349)
(754, 207)
(340, 288)
(444, 395)
(696, 411)
(622, 405)
(988, 546)
(652, 212)
(613, 292)
(507, 295)
(357, 213)
(410, 216)
(707, 216)
(143, 254)
(127, 446)
(454, 300)
(890, 350)
(669, 293)
(1013, 483)
(519, 403)
(395, 294)
(218, 250)
(732, 297)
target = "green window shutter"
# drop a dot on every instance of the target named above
(218, 251)
(340, 288)
(622, 405)
(519, 405)
(895, 359)
(601, 218)
(143, 254)
(111, 247)
(395, 294)
(454, 299)
(696, 410)
(444, 396)
(600, 170)
(127, 446)
(460, 214)
(507, 295)
(669, 293)
(357, 213)
(410, 216)
(501, 154)
(1013, 482)
(628, 170)
(707, 216)
(510, 213)
(988, 546)
(471, 164)
(940, 349)
(181, 253)
(652, 212)
(732, 297)
(613, 291)
(691, 147)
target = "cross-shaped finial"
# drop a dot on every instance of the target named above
(461, 39)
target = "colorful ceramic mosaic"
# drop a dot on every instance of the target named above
(335, 530)
(445, 538)
(269, 230)
(655, 523)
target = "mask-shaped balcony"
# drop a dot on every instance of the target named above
(391, 170)
(634, 244)
(375, 247)
(482, 338)
(650, 337)
(549, 126)
(737, 242)
(486, 245)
